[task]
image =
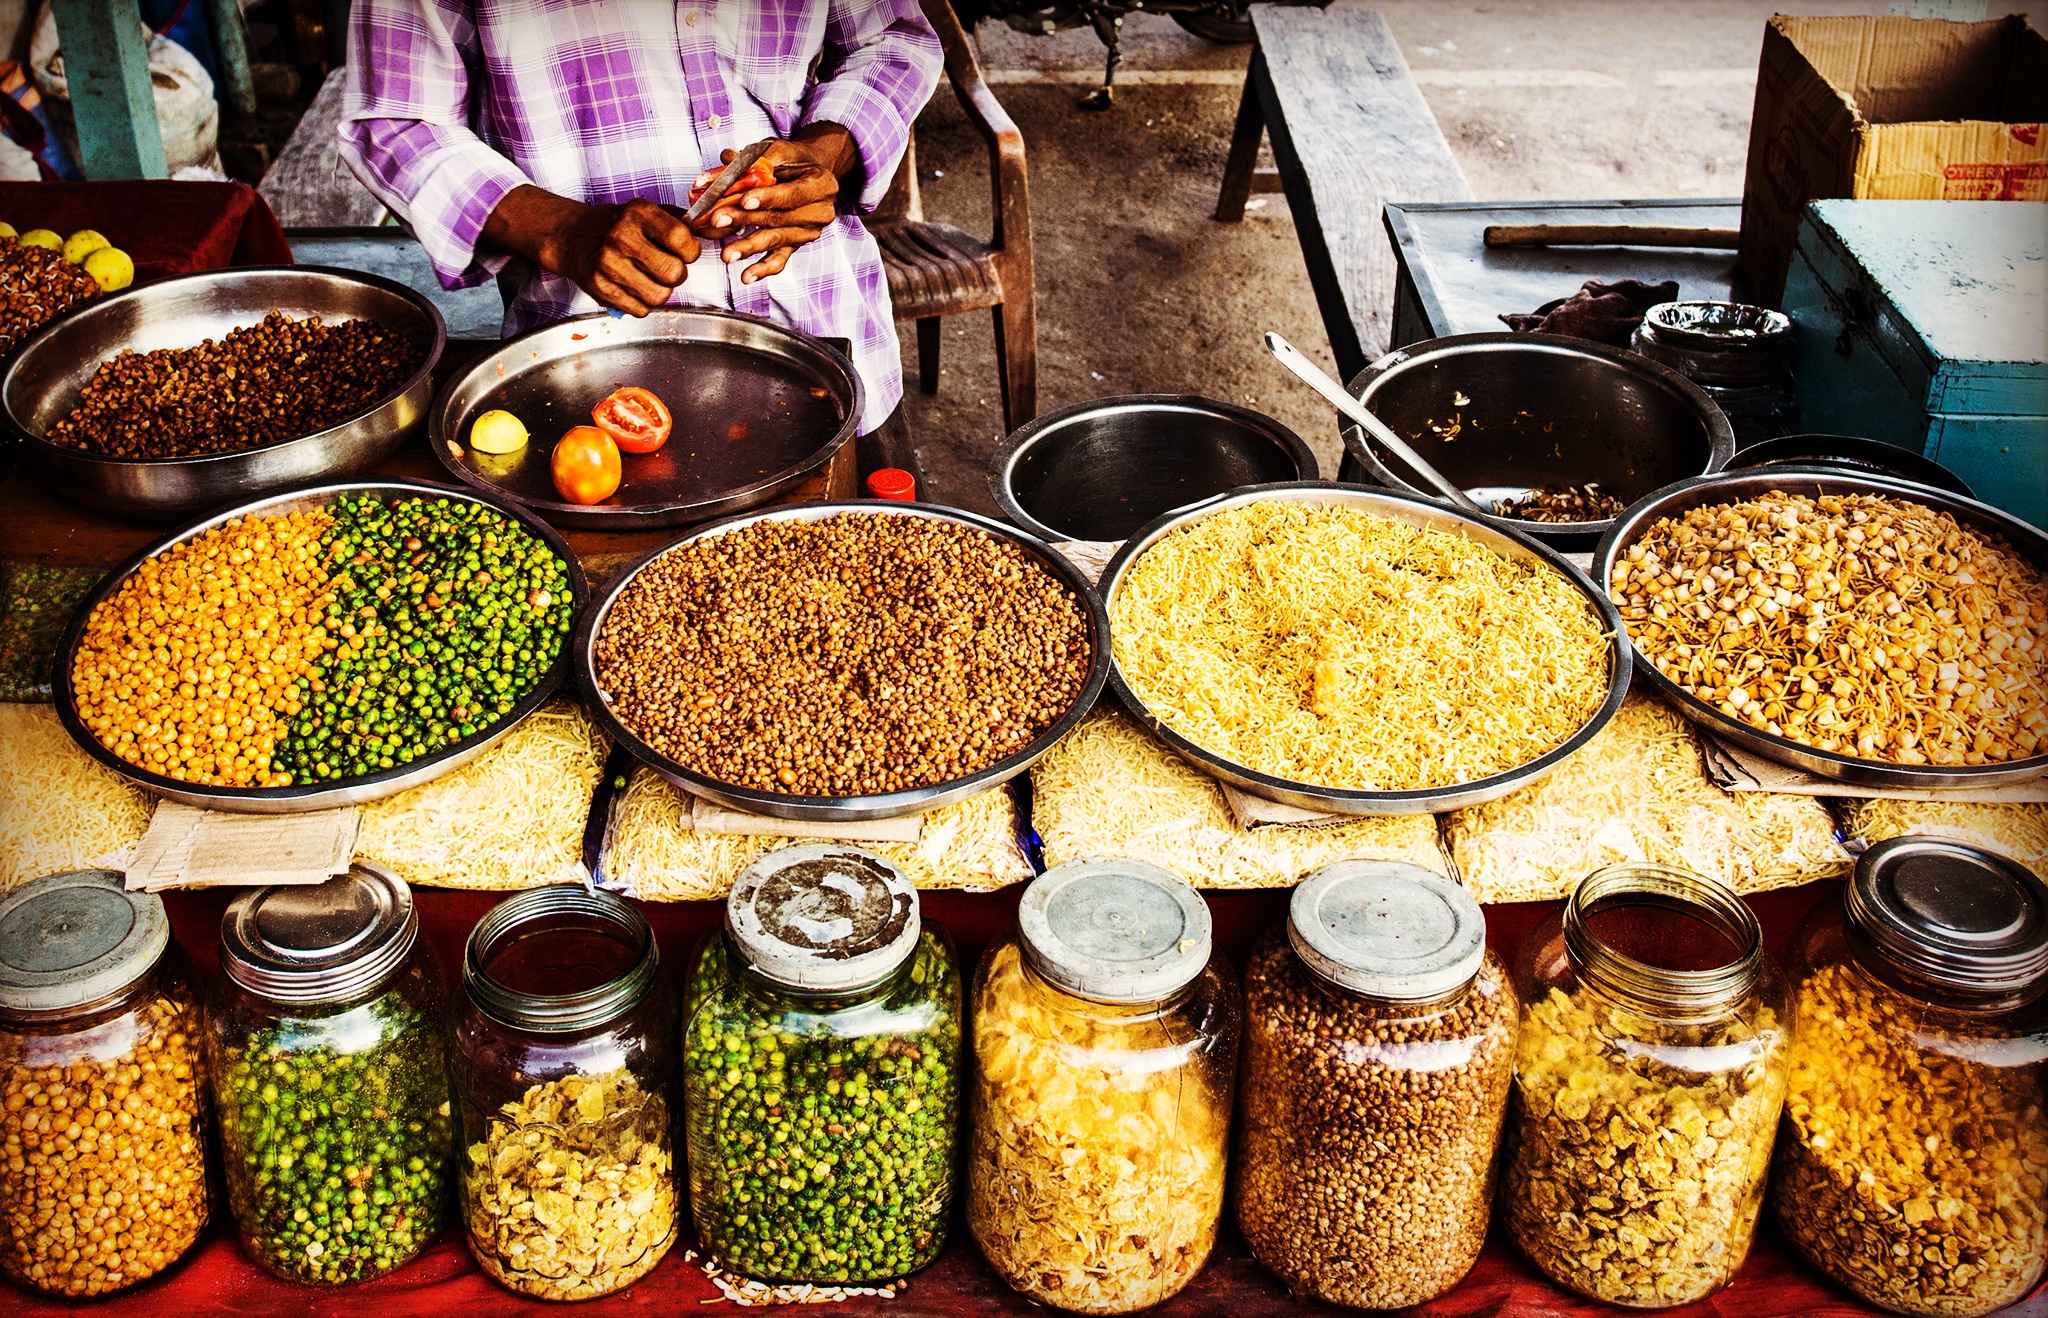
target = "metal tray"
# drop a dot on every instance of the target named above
(309, 796)
(42, 383)
(715, 370)
(1413, 510)
(1735, 486)
(887, 805)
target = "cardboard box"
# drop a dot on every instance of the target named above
(1882, 107)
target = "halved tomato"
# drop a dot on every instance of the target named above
(585, 465)
(637, 421)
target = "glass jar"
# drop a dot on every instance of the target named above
(326, 1045)
(1913, 1167)
(1379, 1043)
(102, 1115)
(565, 1047)
(1105, 1043)
(821, 1051)
(1648, 1076)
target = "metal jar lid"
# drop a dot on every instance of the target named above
(823, 917)
(1114, 930)
(1953, 914)
(1387, 929)
(320, 941)
(67, 940)
(606, 913)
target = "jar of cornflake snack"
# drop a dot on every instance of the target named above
(1380, 1038)
(821, 1058)
(326, 1044)
(1105, 1042)
(1649, 1072)
(565, 1051)
(1913, 1167)
(102, 1107)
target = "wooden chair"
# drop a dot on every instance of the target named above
(937, 270)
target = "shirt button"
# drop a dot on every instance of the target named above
(692, 17)
(711, 121)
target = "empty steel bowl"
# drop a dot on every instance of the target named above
(43, 383)
(1854, 454)
(1100, 470)
(1502, 414)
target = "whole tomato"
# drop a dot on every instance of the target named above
(586, 465)
(637, 421)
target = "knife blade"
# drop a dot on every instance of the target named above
(728, 176)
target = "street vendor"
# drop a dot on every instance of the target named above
(553, 143)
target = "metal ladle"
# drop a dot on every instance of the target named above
(1315, 378)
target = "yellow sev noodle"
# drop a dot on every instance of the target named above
(1330, 646)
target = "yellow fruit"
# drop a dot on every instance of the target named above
(497, 432)
(42, 238)
(83, 244)
(7, 230)
(111, 269)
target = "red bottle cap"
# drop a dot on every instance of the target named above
(892, 483)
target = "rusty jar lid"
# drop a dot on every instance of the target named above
(1952, 914)
(320, 942)
(70, 940)
(1114, 930)
(823, 917)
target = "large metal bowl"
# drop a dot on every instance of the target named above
(886, 805)
(42, 384)
(1099, 470)
(1735, 486)
(793, 400)
(1504, 413)
(309, 796)
(1412, 510)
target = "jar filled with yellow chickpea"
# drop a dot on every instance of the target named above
(1913, 1163)
(102, 1141)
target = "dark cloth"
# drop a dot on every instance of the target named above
(218, 1279)
(1604, 313)
(166, 227)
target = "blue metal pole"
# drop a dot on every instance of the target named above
(106, 64)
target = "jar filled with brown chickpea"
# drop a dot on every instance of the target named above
(1379, 1042)
(1649, 1072)
(1912, 1166)
(102, 1137)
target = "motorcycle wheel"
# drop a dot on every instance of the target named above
(1222, 31)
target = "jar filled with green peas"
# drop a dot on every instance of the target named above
(326, 1049)
(821, 1052)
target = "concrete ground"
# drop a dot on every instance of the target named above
(1139, 291)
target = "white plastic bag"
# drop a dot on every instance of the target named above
(185, 109)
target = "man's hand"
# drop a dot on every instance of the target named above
(809, 173)
(629, 257)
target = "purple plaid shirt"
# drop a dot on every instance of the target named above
(453, 103)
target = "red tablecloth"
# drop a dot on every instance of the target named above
(167, 228)
(218, 1280)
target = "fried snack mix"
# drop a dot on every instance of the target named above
(572, 1193)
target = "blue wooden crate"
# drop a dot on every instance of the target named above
(1925, 324)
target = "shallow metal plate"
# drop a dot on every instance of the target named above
(747, 423)
(42, 384)
(887, 805)
(1412, 510)
(1733, 487)
(310, 796)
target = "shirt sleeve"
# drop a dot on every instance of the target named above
(883, 60)
(405, 130)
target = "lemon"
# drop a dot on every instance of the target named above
(111, 269)
(7, 230)
(42, 238)
(83, 244)
(497, 432)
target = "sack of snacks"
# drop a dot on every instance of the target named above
(2017, 831)
(60, 809)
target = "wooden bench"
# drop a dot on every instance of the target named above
(1350, 133)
